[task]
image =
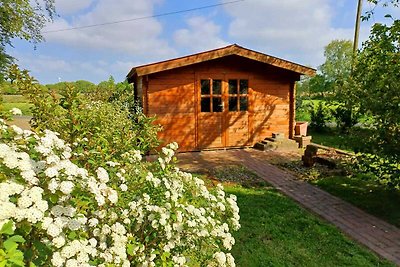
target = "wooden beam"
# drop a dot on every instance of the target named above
(219, 53)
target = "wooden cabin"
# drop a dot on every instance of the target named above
(227, 97)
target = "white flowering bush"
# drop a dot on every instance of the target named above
(16, 111)
(128, 213)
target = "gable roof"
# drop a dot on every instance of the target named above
(219, 53)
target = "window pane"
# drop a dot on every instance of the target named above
(233, 87)
(244, 85)
(205, 104)
(205, 87)
(217, 86)
(243, 103)
(217, 104)
(233, 106)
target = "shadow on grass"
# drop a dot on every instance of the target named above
(277, 232)
(366, 194)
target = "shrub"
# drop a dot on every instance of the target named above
(111, 128)
(346, 117)
(386, 170)
(128, 213)
(91, 200)
(319, 116)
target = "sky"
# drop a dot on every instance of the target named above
(295, 30)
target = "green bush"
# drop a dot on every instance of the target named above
(91, 200)
(386, 170)
(111, 128)
(319, 116)
(346, 117)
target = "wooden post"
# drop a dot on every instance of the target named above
(357, 28)
(292, 108)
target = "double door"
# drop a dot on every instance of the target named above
(222, 112)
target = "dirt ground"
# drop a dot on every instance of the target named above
(21, 121)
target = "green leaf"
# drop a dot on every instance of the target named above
(17, 239)
(72, 235)
(129, 249)
(7, 228)
(54, 198)
(10, 245)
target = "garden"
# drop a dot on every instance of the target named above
(77, 189)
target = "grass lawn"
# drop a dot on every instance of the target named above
(332, 137)
(16, 101)
(365, 194)
(24, 107)
(278, 232)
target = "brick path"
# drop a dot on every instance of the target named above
(379, 236)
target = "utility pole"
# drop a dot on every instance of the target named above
(357, 29)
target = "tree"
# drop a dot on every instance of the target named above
(333, 72)
(338, 59)
(377, 76)
(22, 19)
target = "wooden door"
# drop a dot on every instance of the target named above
(210, 130)
(222, 117)
(236, 115)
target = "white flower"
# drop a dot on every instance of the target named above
(24, 202)
(112, 164)
(113, 196)
(93, 222)
(51, 172)
(57, 210)
(59, 241)
(53, 230)
(123, 187)
(57, 260)
(102, 175)
(230, 261)
(66, 187)
(53, 185)
(74, 225)
(220, 258)
(16, 111)
(93, 242)
(17, 130)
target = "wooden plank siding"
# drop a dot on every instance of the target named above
(173, 96)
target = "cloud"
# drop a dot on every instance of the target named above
(201, 34)
(138, 38)
(68, 7)
(51, 69)
(296, 30)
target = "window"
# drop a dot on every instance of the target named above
(211, 95)
(238, 94)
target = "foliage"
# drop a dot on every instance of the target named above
(81, 86)
(319, 116)
(7, 88)
(377, 90)
(10, 255)
(384, 3)
(127, 213)
(333, 72)
(21, 19)
(346, 116)
(315, 87)
(109, 127)
(386, 170)
(338, 60)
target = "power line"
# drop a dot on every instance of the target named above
(141, 18)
